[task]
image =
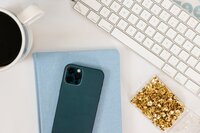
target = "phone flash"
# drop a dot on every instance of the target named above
(78, 70)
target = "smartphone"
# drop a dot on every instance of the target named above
(78, 99)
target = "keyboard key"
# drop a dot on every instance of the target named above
(167, 43)
(181, 78)
(196, 52)
(181, 28)
(113, 18)
(147, 3)
(131, 30)
(169, 70)
(184, 55)
(183, 16)
(166, 4)
(158, 1)
(154, 21)
(105, 12)
(137, 9)
(171, 33)
(164, 15)
(173, 60)
(145, 15)
(139, 1)
(93, 4)
(192, 61)
(115, 6)
(156, 9)
(165, 55)
(175, 10)
(179, 39)
(124, 13)
(150, 31)
(81, 8)
(128, 3)
(93, 17)
(157, 49)
(182, 67)
(198, 28)
(138, 48)
(158, 37)
(192, 87)
(173, 22)
(193, 75)
(133, 19)
(122, 24)
(106, 2)
(198, 67)
(190, 34)
(139, 37)
(192, 22)
(148, 43)
(141, 25)
(188, 46)
(175, 49)
(105, 25)
(197, 40)
(163, 27)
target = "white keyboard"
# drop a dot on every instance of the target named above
(158, 30)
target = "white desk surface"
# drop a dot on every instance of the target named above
(62, 29)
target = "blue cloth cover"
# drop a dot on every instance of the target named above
(49, 68)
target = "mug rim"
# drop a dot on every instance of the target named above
(20, 25)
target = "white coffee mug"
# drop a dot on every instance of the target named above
(23, 20)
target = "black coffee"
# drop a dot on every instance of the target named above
(10, 39)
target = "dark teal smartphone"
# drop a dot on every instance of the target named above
(78, 99)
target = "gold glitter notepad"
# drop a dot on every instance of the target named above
(159, 104)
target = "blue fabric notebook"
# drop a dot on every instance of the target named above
(49, 68)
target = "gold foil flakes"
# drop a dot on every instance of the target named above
(159, 104)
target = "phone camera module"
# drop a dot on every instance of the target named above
(73, 75)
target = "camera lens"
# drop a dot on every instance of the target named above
(70, 70)
(69, 79)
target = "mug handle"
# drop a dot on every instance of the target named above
(30, 14)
